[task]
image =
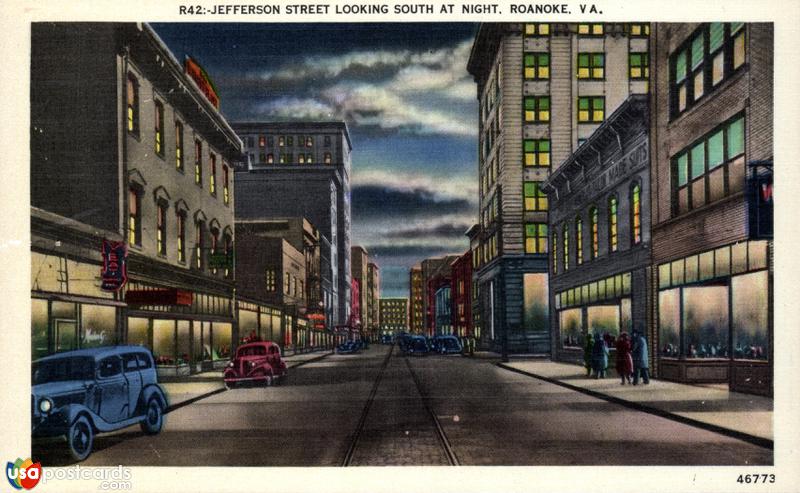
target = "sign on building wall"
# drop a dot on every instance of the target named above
(203, 81)
(115, 265)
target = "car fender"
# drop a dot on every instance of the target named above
(71, 412)
(266, 368)
(150, 391)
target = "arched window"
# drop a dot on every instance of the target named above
(565, 235)
(612, 223)
(593, 231)
(578, 240)
(636, 214)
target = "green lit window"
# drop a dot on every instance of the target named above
(537, 109)
(593, 230)
(639, 66)
(578, 240)
(636, 214)
(537, 65)
(535, 198)
(536, 238)
(565, 236)
(612, 224)
(591, 65)
(591, 109)
(536, 152)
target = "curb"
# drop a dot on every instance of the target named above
(746, 437)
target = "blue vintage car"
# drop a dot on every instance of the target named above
(348, 347)
(447, 344)
(80, 393)
(417, 345)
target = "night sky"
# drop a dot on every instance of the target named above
(410, 104)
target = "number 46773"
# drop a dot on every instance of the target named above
(755, 478)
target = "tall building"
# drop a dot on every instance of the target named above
(393, 315)
(416, 308)
(600, 229)
(461, 274)
(542, 90)
(436, 274)
(712, 141)
(359, 262)
(130, 151)
(302, 169)
(373, 297)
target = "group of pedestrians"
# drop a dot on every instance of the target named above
(631, 357)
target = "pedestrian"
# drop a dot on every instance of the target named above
(640, 359)
(587, 354)
(599, 357)
(624, 359)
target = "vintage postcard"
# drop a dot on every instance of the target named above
(302, 244)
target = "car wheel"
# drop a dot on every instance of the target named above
(268, 381)
(229, 385)
(80, 438)
(153, 417)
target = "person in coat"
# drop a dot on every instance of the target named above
(624, 359)
(587, 354)
(640, 359)
(599, 357)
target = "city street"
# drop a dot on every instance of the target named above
(376, 409)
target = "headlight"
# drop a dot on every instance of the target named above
(251, 364)
(45, 405)
(230, 364)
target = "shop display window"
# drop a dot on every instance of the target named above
(221, 340)
(39, 338)
(184, 341)
(705, 321)
(669, 322)
(750, 316)
(137, 332)
(164, 342)
(571, 327)
(98, 325)
(603, 320)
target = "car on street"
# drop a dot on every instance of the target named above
(348, 347)
(386, 339)
(417, 345)
(256, 362)
(447, 344)
(77, 394)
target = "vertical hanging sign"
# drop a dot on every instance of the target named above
(115, 265)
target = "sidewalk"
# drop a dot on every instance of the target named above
(182, 391)
(714, 408)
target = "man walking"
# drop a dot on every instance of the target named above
(640, 359)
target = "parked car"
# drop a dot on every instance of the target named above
(256, 362)
(386, 339)
(447, 344)
(348, 347)
(417, 345)
(80, 393)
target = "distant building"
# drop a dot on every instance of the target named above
(712, 141)
(436, 274)
(359, 266)
(393, 315)
(302, 169)
(542, 90)
(128, 146)
(461, 274)
(600, 230)
(373, 298)
(416, 309)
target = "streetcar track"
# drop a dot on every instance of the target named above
(443, 441)
(348, 458)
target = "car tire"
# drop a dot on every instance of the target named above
(153, 417)
(229, 385)
(80, 438)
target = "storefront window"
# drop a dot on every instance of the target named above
(750, 315)
(65, 326)
(603, 320)
(275, 335)
(164, 342)
(669, 320)
(38, 328)
(625, 317)
(184, 342)
(571, 326)
(705, 321)
(98, 325)
(248, 323)
(535, 298)
(197, 342)
(137, 332)
(222, 340)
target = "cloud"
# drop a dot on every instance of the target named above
(460, 186)
(370, 201)
(422, 93)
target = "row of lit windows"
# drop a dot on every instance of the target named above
(132, 125)
(490, 211)
(591, 109)
(602, 289)
(741, 257)
(536, 66)
(612, 224)
(593, 29)
(286, 140)
(292, 286)
(288, 158)
(489, 175)
(711, 55)
(135, 232)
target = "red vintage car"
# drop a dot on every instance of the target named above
(256, 362)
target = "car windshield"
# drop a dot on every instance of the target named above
(251, 351)
(418, 344)
(63, 369)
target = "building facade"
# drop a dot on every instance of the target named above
(373, 298)
(416, 308)
(148, 163)
(711, 178)
(542, 90)
(393, 316)
(302, 169)
(461, 274)
(599, 220)
(436, 274)
(359, 266)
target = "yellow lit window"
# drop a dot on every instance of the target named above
(535, 198)
(590, 29)
(159, 130)
(738, 45)
(612, 224)
(579, 240)
(537, 109)
(536, 238)
(639, 29)
(639, 65)
(591, 65)
(565, 235)
(179, 146)
(536, 152)
(198, 162)
(537, 65)
(537, 29)
(591, 109)
(212, 179)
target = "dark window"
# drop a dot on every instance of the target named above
(250, 141)
(144, 361)
(108, 367)
(327, 141)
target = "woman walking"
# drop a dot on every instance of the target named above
(599, 357)
(587, 354)
(624, 359)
